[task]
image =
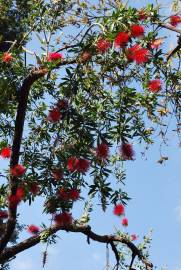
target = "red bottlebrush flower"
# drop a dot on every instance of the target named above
(175, 20)
(20, 192)
(74, 194)
(121, 39)
(138, 54)
(141, 56)
(155, 44)
(34, 188)
(134, 237)
(79, 165)
(119, 210)
(54, 56)
(58, 219)
(63, 219)
(73, 164)
(54, 115)
(131, 52)
(6, 152)
(57, 174)
(6, 57)
(85, 56)
(33, 229)
(62, 104)
(17, 170)
(142, 15)
(66, 218)
(102, 151)
(3, 214)
(155, 85)
(137, 30)
(125, 222)
(83, 165)
(126, 151)
(14, 200)
(103, 45)
(63, 194)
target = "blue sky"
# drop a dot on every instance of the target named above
(156, 204)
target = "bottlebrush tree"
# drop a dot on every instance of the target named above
(101, 79)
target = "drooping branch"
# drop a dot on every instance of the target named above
(8, 253)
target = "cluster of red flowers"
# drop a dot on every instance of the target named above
(78, 165)
(63, 219)
(54, 56)
(5, 152)
(121, 39)
(7, 57)
(17, 170)
(126, 151)
(3, 214)
(135, 53)
(175, 20)
(33, 229)
(102, 151)
(119, 210)
(72, 194)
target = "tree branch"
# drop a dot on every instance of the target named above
(114, 249)
(169, 27)
(33, 76)
(19, 125)
(132, 261)
(86, 230)
(176, 49)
